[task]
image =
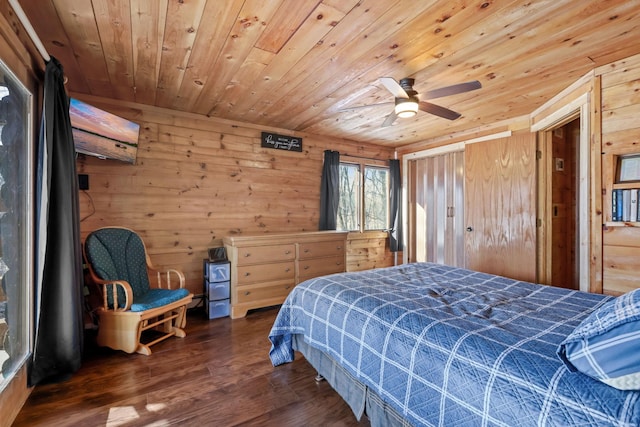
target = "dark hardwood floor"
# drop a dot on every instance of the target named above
(219, 375)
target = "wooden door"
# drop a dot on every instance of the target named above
(563, 215)
(500, 211)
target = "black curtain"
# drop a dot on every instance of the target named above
(395, 208)
(59, 281)
(330, 191)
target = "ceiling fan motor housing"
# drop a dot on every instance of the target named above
(407, 107)
(407, 84)
(412, 95)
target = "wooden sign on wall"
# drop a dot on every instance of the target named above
(281, 142)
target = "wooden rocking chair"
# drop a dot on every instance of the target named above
(120, 266)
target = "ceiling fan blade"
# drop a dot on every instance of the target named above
(394, 87)
(358, 107)
(438, 110)
(451, 90)
(389, 120)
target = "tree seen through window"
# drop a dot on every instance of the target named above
(364, 197)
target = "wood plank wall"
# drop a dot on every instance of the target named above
(620, 136)
(198, 179)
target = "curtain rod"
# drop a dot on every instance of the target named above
(30, 31)
(365, 158)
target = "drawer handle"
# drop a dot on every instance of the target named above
(287, 287)
(306, 251)
(339, 247)
(287, 252)
(287, 270)
(338, 262)
(247, 274)
(247, 255)
(247, 293)
(306, 267)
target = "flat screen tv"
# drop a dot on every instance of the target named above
(102, 134)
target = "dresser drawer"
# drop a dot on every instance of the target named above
(265, 272)
(259, 292)
(258, 254)
(319, 267)
(321, 249)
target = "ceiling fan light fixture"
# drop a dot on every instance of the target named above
(406, 108)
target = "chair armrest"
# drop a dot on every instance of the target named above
(167, 279)
(167, 273)
(124, 285)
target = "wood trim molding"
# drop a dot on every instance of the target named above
(566, 113)
(456, 146)
(578, 108)
(514, 124)
(13, 397)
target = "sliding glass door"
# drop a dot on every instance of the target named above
(16, 215)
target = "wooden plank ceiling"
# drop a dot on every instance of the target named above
(294, 64)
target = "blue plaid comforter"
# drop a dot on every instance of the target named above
(451, 347)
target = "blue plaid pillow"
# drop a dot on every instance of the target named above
(606, 345)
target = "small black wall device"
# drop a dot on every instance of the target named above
(83, 181)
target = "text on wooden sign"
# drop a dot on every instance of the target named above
(281, 142)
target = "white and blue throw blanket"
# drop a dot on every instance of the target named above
(452, 347)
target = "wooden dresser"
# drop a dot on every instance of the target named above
(265, 267)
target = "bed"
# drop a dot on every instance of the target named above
(427, 344)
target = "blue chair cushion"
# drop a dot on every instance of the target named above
(606, 345)
(157, 298)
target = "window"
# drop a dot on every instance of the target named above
(15, 224)
(376, 198)
(364, 197)
(349, 205)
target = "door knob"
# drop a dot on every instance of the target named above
(469, 229)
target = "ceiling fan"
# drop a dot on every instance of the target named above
(407, 102)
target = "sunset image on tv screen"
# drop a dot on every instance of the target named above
(102, 134)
